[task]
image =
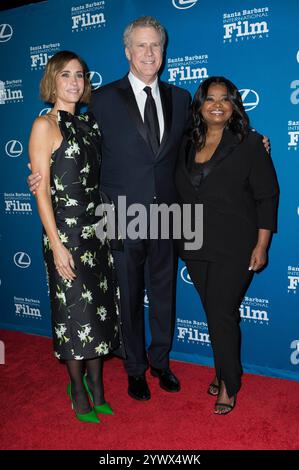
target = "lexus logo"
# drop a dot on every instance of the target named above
(184, 4)
(95, 79)
(44, 111)
(185, 276)
(14, 148)
(22, 260)
(5, 32)
(250, 98)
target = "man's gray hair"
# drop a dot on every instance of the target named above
(144, 22)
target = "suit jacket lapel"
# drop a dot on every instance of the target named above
(127, 94)
(226, 146)
(166, 100)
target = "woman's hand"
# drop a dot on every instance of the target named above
(64, 262)
(258, 258)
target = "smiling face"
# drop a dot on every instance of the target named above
(69, 84)
(217, 109)
(144, 53)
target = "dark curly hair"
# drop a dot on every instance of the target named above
(239, 122)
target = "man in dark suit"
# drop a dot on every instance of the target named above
(142, 121)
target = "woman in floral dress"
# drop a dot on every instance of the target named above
(65, 150)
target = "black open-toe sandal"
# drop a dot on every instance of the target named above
(226, 405)
(213, 389)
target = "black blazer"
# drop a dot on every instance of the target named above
(129, 166)
(239, 195)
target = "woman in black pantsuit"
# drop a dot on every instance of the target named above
(224, 166)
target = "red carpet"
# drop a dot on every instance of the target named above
(36, 413)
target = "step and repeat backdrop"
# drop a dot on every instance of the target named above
(253, 43)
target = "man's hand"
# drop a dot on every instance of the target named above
(33, 180)
(266, 143)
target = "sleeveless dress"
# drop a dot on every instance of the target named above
(85, 312)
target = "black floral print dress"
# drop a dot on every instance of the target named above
(85, 312)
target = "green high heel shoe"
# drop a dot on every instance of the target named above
(89, 417)
(104, 409)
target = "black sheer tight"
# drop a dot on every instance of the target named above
(94, 369)
(79, 395)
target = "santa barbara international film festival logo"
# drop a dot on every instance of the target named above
(255, 310)
(17, 204)
(187, 69)
(293, 279)
(11, 91)
(88, 16)
(293, 135)
(245, 25)
(192, 332)
(184, 4)
(27, 308)
(40, 54)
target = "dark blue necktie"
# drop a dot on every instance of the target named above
(151, 120)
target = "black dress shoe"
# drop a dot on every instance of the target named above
(168, 380)
(138, 388)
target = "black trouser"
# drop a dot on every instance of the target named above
(221, 287)
(159, 259)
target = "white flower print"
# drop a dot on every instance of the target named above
(103, 284)
(86, 169)
(46, 242)
(60, 329)
(72, 150)
(57, 355)
(88, 231)
(88, 258)
(90, 206)
(58, 183)
(78, 358)
(70, 126)
(83, 117)
(88, 190)
(118, 292)
(67, 283)
(60, 296)
(83, 334)
(83, 180)
(102, 312)
(116, 309)
(86, 141)
(102, 348)
(69, 201)
(63, 237)
(110, 260)
(71, 221)
(86, 296)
